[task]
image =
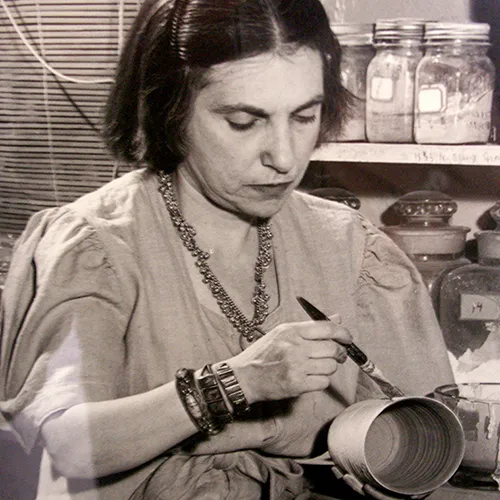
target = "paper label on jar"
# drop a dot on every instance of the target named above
(431, 98)
(479, 307)
(382, 88)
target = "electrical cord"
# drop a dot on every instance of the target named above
(61, 86)
(44, 63)
(58, 75)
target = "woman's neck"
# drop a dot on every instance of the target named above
(232, 243)
(216, 228)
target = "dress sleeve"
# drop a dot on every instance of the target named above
(63, 323)
(397, 324)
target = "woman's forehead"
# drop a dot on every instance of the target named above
(268, 76)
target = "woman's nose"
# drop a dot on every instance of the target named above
(278, 152)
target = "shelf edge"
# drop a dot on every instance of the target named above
(471, 155)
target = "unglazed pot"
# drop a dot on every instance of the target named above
(408, 446)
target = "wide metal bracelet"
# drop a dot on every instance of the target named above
(232, 388)
(212, 394)
(194, 403)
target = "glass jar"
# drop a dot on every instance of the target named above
(470, 311)
(391, 80)
(425, 235)
(455, 81)
(357, 52)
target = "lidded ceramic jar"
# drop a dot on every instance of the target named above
(426, 236)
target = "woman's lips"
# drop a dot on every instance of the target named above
(272, 188)
(271, 191)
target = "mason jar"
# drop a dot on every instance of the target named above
(455, 81)
(357, 52)
(391, 80)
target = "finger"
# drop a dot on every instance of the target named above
(323, 366)
(335, 318)
(327, 349)
(316, 383)
(341, 335)
(316, 330)
(322, 330)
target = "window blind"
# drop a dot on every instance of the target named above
(50, 148)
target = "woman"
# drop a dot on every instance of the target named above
(134, 347)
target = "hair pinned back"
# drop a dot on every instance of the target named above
(178, 14)
(171, 46)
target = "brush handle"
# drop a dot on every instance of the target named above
(356, 354)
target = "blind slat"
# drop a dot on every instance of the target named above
(43, 164)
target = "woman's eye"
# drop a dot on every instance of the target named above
(237, 125)
(241, 120)
(305, 118)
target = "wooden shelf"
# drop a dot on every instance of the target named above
(364, 152)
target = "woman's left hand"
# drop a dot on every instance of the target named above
(239, 435)
(286, 428)
(298, 428)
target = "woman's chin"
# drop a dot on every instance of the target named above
(264, 209)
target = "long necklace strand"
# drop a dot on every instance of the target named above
(260, 300)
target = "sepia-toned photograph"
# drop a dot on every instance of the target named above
(249, 249)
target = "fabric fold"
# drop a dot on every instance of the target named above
(243, 474)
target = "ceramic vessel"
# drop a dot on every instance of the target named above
(407, 446)
(425, 235)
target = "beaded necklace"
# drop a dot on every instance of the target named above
(248, 328)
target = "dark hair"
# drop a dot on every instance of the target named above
(171, 46)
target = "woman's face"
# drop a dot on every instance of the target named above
(252, 130)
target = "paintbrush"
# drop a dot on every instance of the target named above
(356, 354)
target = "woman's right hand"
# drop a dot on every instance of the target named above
(290, 360)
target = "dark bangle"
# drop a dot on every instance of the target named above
(193, 402)
(212, 394)
(232, 388)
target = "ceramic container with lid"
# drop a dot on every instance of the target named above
(426, 236)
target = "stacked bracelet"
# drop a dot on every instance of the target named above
(213, 398)
(232, 388)
(212, 394)
(194, 403)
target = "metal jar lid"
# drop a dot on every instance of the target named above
(393, 30)
(353, 34)
(438, 32)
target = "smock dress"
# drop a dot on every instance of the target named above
(99, 305)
